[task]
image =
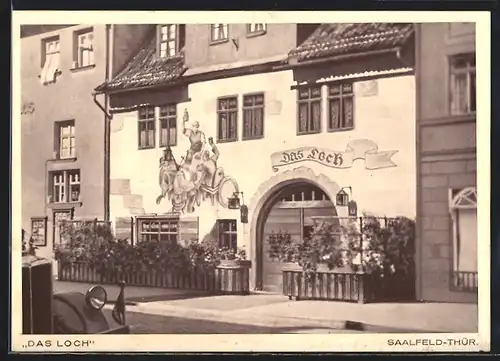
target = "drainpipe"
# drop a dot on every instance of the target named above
(107, 120)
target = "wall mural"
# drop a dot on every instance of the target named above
(357, 149)
(197, 177)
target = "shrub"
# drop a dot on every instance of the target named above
(386, 249)
(97, 247)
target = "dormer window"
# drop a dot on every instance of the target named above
(219, 33)
(170, 39)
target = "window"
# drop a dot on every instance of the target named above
(59, 217)
(227, 119)
(463, 84)
(219, 32)
(50, 60)
(253, 29)
(309, 106)
(165, 229)
(227, 232)
(463, 208)
(168, 125)
(340, 107)
(65, 186)
(146, 125)
(171, 38)
(253, 116)
(39, 231)
(84, 48)
(65, 141)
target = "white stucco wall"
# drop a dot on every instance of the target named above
(385, 115)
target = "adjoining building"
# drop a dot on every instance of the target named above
(280, 116)
(63, 129)
(446, 150)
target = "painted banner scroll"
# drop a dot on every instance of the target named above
(357, 149)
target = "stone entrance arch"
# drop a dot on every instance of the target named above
(263, 200)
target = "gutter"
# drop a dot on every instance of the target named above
(294, 63)
(195, 78)
(260, 68)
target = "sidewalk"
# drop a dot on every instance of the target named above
(278, 311)
(269, 310)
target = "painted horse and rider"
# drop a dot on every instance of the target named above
(196, 177)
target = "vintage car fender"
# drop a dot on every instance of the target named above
(73, 315)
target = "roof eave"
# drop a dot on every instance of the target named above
(295, 62)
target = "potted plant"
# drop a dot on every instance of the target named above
(306, 263)
(233, 271)
(230, 257)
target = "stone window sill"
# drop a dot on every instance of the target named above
(63, 206)
(256, 33)
(82, 68)
(63, 160)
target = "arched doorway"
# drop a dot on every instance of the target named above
(292, 208)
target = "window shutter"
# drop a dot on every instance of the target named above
(188, 230)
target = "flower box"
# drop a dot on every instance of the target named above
(233, 277)
(197, 279)
(236, 263)
(339, 284)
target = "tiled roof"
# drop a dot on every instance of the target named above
(146, 69)
(341, 38)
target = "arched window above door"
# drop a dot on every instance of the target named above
(463, 199)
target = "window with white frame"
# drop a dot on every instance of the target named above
(463, 208)
(253, 29)
(168, 125)
(65, 140)
(50, 60)
(228, 234)
(170, 39)
(65, 186)
(463, 83)
(340, 107)
(84, 48)
(158, 229)
(219, 32)
(253, 116)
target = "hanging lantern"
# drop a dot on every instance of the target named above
(342, 198)
(352, 208)
(185, 118)
(234, 201)
(244, 213)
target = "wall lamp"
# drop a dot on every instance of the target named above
(235, 203)
(342, 200)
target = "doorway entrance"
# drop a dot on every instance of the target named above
(293, 209)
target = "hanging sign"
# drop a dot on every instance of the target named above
(364, 149)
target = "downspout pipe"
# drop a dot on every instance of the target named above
(107, 127)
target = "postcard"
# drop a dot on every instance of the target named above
(307, 183)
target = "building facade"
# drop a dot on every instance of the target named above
(446, 147)
(283, 116)
(63, 125)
